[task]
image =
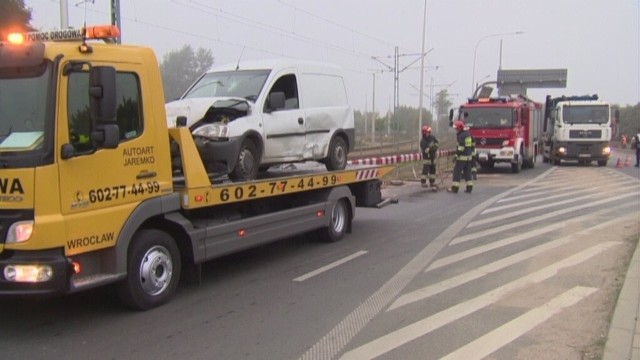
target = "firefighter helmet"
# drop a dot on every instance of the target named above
(458, 125)
(426, 130)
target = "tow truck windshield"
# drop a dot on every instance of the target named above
(488, 117)
(245, 84)
(585, 114)
(23, 100)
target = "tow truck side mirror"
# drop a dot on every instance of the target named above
(103, 103)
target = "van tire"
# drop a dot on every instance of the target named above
(153, 270)
(247, 165)
(337, 155)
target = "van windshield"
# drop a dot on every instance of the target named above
(246, 84)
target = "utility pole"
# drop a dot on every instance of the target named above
(115, 17)
(396, 79)
(373, 111)
(64, 14)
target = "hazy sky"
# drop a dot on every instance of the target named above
(598, 41)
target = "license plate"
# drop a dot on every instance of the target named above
(584, 155)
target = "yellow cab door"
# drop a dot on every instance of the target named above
(101, 187)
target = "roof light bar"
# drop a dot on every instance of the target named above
(100, 32)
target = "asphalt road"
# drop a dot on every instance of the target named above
(526, 267)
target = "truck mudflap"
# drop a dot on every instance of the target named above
(19, 270)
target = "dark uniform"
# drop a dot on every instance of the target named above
(474, 159)
(429, 150)
(464, 152)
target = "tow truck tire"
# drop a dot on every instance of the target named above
(153, 270)
(338, 222)
(247, 165)
(337, 155)
(602, 163)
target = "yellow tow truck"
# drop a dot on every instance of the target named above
(90, 189)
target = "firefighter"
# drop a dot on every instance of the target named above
(474, 157)
(429, 150)
(636, 140)
(464, 151)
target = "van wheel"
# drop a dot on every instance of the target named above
(247, 165)
(337, 156)
(153, 270)
(338, 222)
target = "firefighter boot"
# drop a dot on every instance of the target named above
(469, 188)
(453, 189)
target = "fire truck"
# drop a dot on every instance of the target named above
(95, 189)
(506, 129)
(577, 128)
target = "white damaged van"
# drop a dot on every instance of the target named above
(248, 116)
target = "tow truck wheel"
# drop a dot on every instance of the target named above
(153, 270)
(247, 164)
(338, 223)
(337, 156)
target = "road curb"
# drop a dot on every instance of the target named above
(620, 340)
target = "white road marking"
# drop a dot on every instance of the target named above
(519, 326)
(555, 213)
(422, 327)
(497, 265)
(546, 198)
(337, 338)
(447, 260)
(330, 266)
(531, 209)
(518, 224)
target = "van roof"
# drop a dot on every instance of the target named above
(276, 64)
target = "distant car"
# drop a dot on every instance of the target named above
(248, 116)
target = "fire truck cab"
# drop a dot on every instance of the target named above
(506, 129)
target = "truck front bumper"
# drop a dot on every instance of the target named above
(34, 273)
(505, 154)
(582, 151)
(218, 156)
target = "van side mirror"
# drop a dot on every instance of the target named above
(275, 101)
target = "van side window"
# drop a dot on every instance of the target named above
(287, 84)
(128, 113)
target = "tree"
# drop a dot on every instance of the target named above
(442, 108)
(629, 121)
(14, 17)
(181, 68)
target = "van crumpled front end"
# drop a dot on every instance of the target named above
(208, 119)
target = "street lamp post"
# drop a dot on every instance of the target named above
(424, 27)
(475, 53)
